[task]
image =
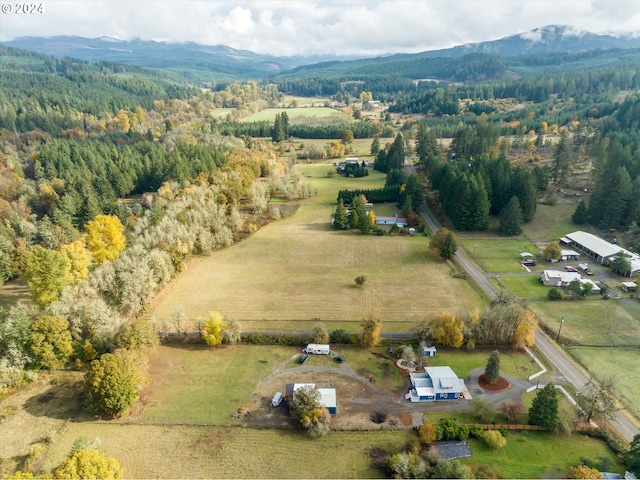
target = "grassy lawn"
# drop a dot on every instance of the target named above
(512, 362)
(497, 255)
(365, 361)
(594, 321)
(385, 209)
(551, 222)
(198, 385)
(526, 286)
(622, 364)
(313, 112)
(152, 451)
(297, 270)
(540, 454)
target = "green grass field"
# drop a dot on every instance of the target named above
(593, 321)
(199, 385)
(515, 363)
(296, 270)
(194, 387)
(175, 451)
(539, 455)
(498, 255)
(605, 362)
(551, 222)
(526, 286)
(313, 112)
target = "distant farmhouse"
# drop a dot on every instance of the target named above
(396, 220)
(600, 249)
(556, 278)
(435, 383)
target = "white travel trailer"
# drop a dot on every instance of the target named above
(317, 349)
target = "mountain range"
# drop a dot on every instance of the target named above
(203, 62)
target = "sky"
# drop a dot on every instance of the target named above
(322, 27)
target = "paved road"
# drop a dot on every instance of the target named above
(622, 421)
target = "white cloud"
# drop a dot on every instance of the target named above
(338, 27)
(239, 21)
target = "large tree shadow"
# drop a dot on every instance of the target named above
(62, 401)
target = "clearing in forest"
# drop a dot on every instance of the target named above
(297, 270)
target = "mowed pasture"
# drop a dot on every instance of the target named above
(311, 112)
(176, 451)
(605, 362)
(497, 255)
(298, 270)
(604, 336)
(541, 454)
(525, 286)
(551, 222)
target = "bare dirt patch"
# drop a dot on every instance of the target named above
(361, 404)
(499, 385)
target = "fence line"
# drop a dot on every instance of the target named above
(519, 427)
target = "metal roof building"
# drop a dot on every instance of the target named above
(328, 396)
(436, 383)
(594, 246)
(602, 250)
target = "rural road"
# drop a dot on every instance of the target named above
(621, 422)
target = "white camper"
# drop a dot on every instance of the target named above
(317, 349)
(277, 399)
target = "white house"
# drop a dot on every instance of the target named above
(595, 288)
(556, 278)
(429, 351)
(436, 383)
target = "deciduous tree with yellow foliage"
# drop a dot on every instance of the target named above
(105, 237)
(46, 274)
(448, 329)
(89, 464)
(213, 329)
(79, 259)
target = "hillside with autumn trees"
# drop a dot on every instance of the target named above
(112, 175)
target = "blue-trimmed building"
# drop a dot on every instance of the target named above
(435, 383)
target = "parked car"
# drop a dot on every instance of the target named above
(303, 359)
(529, 263)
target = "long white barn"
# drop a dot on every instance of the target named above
(600, 249)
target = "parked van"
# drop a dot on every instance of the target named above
(277, 399)
(317, 349)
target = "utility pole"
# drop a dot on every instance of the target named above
(560, 328)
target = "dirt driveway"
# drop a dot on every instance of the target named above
(362, 405)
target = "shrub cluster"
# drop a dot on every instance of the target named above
(272, 339)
